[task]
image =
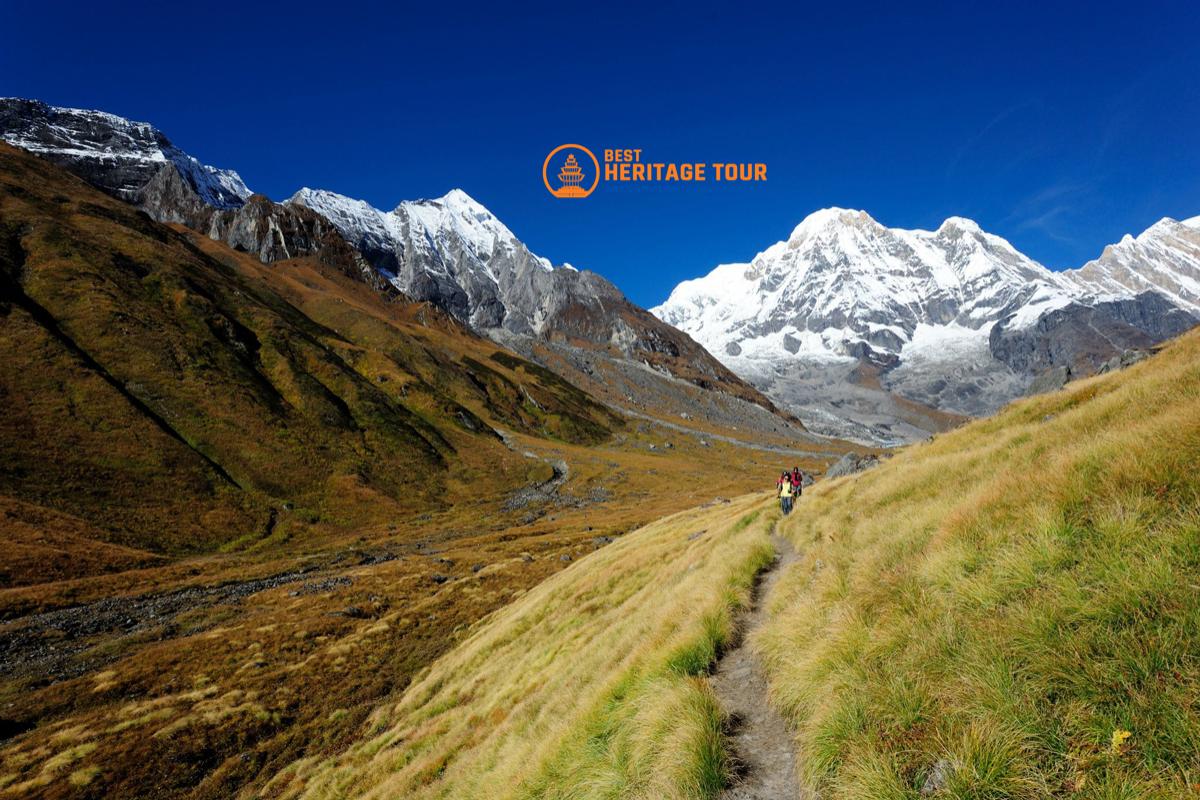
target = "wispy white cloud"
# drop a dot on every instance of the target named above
(1050, 210)
(966, 147)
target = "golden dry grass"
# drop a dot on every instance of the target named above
(981, 616)
(300, 382)
(587, 686)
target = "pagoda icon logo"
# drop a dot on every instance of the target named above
(571, 171)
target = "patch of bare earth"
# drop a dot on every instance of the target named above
(763, 749)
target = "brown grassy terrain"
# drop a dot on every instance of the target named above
(588, 686)
(1009, 611)
(302, 664)
(242, 505)
(179, 405)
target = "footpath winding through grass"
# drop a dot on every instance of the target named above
(1009, 611)
(589, 686)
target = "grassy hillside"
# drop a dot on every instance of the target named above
(162, 395)
(590, 685)
(1012, 610)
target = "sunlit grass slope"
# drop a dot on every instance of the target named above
(589, 686)
(1012, 610)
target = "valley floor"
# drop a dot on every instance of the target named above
(204, 676)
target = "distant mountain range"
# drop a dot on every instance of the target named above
(449, 251)
(863, 331)
(847, 317)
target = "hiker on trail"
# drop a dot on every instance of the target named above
(785, 493)
(797, 481)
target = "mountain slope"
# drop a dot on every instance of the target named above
(1164, 258)
(949, 318)
(590, 686)
(1009, 610)
(161, 395)
(112, 152)
(450, 251)
(455, 253)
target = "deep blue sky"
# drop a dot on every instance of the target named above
(1059, 126)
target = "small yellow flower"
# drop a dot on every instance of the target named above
(1118, 740)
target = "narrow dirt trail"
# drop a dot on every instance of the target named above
(763, 748)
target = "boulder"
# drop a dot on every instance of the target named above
(851, 463)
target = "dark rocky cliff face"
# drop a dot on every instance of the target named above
(271, 231)
(112, 153)
(1082, 338)
(136, 162)
(78, 142)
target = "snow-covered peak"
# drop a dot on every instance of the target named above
(456, 214)
(457, 198)
(828, 218)
(1167, 226)
(961, 223)
(842, 281)
(1164, 258)
(332, 204)
(358, 221)
(450, 223)
(113, 152)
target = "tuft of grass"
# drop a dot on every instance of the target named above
(989, 614)
(83, 776)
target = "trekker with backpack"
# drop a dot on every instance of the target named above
(785, 493)
(797, 481)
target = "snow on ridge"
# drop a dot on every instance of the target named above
(354, 218)
(1042, 302)
(822, 218)
(454, 215)
(961, 222)
(1164, 258)
(458, 213)
(862, 283)
(87, 134)
(212, 184)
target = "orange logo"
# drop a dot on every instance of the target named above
(571, 175)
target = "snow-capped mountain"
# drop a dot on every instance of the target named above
(1164, 258)
(843, 286)
(110, 151)
(453, 251)
(846, 310)
(450, 251)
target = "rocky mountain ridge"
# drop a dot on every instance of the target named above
(449, 251)
(118, 154)
(1164, 258)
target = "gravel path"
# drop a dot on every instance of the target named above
(763, 746)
